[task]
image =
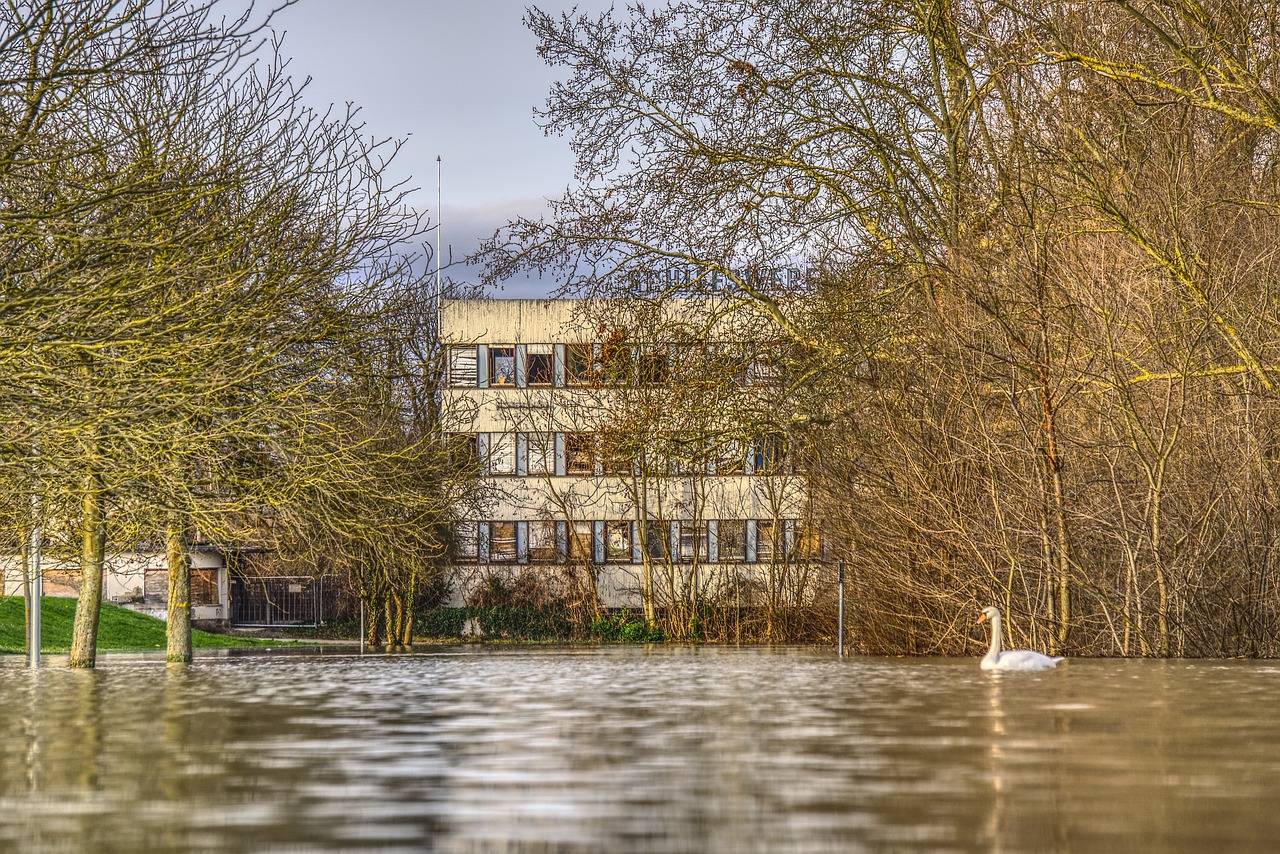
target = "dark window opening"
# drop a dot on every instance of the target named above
(539, 369)
(204, 587)
(464, 452)
(657, 539)
(577, 363)
(616, 364)
(654, 368)
(769, 455)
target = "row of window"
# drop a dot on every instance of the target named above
(561, 365)
(629, 541)
(561, 454)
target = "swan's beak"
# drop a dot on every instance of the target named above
(982, 618)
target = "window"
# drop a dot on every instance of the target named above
(764, 370)
(204, 586)
(653, 367)
(693, 541)
(769, 455)
(579, 453)
(466, 542)
(808, 545)
(542, 542)
(616, 458)
(502, 453)
(729, 364)
(729, 457)
(581, 542)
(731, 540)
(687, 454)
(464, 452)
(616, 366)
(577, 364)
(542, 454)
(617, 542)
(539, 365)
(463, 372)
(657, 539)
(502, 542)
(768, 535)
(502, 366)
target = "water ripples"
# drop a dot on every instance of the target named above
(632, 749)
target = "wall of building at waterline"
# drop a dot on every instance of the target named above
(137, 581)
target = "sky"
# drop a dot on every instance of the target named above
(456, 78)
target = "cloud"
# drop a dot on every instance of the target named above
(465, 226)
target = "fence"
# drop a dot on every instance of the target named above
(276, 601)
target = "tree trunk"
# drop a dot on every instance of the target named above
(93, 545)
(1061, 559)
(178, 628)
(372, 617)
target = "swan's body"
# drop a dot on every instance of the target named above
(1010, 659)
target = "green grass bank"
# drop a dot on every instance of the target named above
(120, 629)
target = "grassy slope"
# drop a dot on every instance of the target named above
(119, 630)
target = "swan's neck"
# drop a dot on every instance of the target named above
(993, 651)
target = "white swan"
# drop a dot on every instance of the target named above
(1011, 659)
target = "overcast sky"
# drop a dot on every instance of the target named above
(459, 79)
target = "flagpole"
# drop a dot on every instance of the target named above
(439, 225)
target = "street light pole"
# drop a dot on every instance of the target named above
(37, 587)
(840, 619)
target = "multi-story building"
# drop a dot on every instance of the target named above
(597, 468)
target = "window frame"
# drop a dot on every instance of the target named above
(501, 441)
(505, 378)
(619, 541)
(506, 558)
(458, 376)
(461, 536)
(580, 448)
(579, 363)
(543, 554)
(539, 354)
(739, 526)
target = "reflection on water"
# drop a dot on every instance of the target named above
(627, 749)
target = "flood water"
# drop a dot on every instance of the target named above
(627, 749)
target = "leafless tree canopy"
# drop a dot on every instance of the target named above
(208, 326)
(1033, 346)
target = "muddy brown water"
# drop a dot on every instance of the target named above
(631, 749)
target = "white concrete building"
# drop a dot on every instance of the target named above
(532, 389)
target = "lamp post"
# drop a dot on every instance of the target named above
(36, 587)
(840, 617)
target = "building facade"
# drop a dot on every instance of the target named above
(607, 466)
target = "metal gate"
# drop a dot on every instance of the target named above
(277, 601)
